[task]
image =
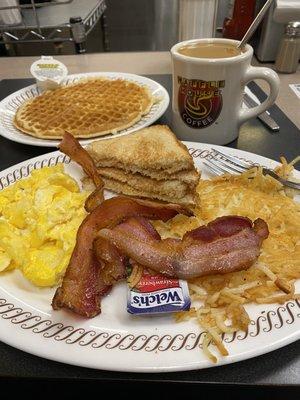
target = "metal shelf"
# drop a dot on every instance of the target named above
(49, 21)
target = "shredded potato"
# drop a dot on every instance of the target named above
(271, 279)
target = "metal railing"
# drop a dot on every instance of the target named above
(36, 27)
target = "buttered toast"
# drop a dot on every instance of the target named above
(150, 163)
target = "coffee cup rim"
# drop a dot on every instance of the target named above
(174, 51)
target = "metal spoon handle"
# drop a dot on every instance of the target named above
(255, 24)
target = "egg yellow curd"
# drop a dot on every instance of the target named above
(39, 219)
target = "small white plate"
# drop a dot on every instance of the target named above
(116, 340)
(10, 104)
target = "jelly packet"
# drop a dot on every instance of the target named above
(48, 72)
(156, 293)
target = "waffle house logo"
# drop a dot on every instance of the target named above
(199, 102)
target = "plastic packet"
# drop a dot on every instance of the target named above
(48, 72)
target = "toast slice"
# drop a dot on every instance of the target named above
(120, 187)
(149, 163)
(173, 187)
(154, 151)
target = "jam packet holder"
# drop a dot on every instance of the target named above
(158, 294)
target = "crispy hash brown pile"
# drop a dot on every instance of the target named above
(219, 299)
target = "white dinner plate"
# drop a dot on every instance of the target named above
(116, 340)
(10, 104)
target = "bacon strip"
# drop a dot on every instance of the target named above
(72, 148)
(225, 245)
(114, 262)
(81, 287)
(94, 199)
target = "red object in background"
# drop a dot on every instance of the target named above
(240, 17)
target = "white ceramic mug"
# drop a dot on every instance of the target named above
(208, 93)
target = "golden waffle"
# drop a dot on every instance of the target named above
(89, 108)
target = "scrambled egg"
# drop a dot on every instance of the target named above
(39, 219)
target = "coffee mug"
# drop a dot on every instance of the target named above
(208, 92)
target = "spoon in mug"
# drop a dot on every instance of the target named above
(255, 24)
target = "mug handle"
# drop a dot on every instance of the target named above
(272, 79)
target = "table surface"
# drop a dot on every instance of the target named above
(144, 63)
(281, 367)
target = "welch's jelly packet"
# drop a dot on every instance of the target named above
(155, 293)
